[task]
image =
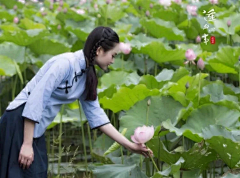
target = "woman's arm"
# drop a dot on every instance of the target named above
(112, 132)
(26, 154)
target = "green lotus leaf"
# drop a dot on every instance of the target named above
(125, 97)
(49, 46)
(137, 115)
(165, 75)
(159, 52)
(70, 14)
(119, 78)
(174, 170)
(230, 175)
(80, 29)
(205, 115)
(120, 64)
(118, 171)
(221, 24)
(160, 28)
(225, 144)
(13, 51)
(7, 15)
(214, 93)
(7, 66)
(29, 24)
(225, 59)
(199, 156)
(112, 12)
(21, 37)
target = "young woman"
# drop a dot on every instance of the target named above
(61, 80)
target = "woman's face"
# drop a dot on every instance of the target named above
(104, 59)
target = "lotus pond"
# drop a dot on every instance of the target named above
(182, 76)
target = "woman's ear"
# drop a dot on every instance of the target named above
(98, 50)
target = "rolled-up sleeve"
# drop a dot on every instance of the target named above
(39, 96)
(94, 113)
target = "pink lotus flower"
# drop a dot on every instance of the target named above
(59, 27)
(65, 10)
(95, 6)
(165, 2)
(142, 134)
(178, 1)
(15, 20)
(15, 7)
(80, 11)
(200, 64)
(229, 23)
(147, 13)
(82, 2)
(109, 1)
(198, 39)
(124, 0)
(192, 10)
(125, 48)
(213, 1)
(191, 56)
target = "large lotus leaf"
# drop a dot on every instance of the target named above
(179, 91)
(142, 62)
(230, 175)
(112, 12)
(205, 115)
(7, 66)
(225, 59)
(199, 156)
(80, 29)
(49, 46)
(118, 171)
(108, 92)
(214, 93)
(130, 19)
(21, 37)
(7, 15)
(70, 14)
(120, 64)
(119, 78)
(165, 75)
(13, 51)
(160, 52)
(125, 97)
(221, 24)
(179, 73)
(29, 24)
(137, 115)
(160, 28)
(10, 3)
(170, 15)
(151, 82)
(225, 145)
(174, 170)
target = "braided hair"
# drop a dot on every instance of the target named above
(105, 38)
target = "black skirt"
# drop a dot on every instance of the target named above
(11, 139)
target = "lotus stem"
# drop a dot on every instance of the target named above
(199, 87)
(60, 141)
(153, 162)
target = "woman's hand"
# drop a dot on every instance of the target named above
(26, 156)
(140, 149)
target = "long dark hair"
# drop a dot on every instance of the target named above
(107, 39)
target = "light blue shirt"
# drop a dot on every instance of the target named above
(46, 92)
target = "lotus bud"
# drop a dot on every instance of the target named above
(59, 9)
(59, 27)
(125, 48)
(187, 85)
(149, 102)
(65, 10)
(15, 7)
(147, 13)
(99, 15)
(200, 64)
(15, 20)
(229, 23)
(198, 39)
(61, 3)
(190, 55)
(108, 1)
(151, 5)
(51, 6)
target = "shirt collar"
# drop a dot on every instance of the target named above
(81, 59)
